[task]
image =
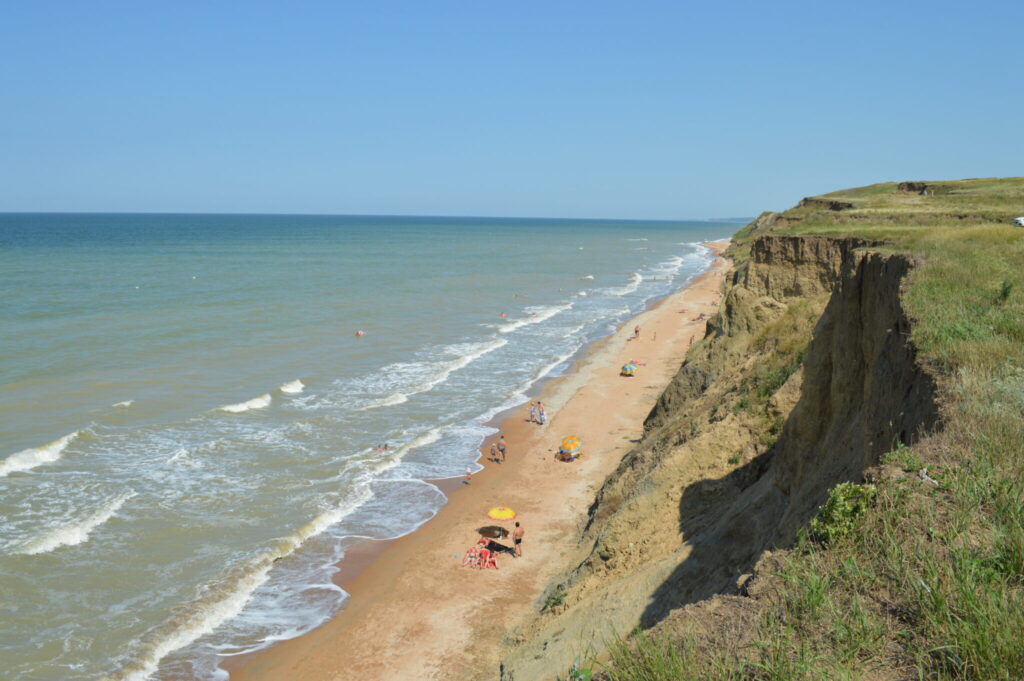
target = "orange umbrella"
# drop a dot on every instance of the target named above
(571, 444)
(501, 513)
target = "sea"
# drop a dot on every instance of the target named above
(192, 432)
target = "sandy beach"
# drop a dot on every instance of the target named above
(415, 611)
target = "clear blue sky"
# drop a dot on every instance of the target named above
(634, 109)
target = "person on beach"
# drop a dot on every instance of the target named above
(541, 416)
(636, 332)
(501, 447)
(494, 452)
(469, 477)
(517, 539)
(533, 413)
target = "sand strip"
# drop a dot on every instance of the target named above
(415, 612)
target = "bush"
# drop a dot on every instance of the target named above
(847, 502)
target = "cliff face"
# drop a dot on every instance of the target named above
(743, 445)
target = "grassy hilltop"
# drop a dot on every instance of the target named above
(918, 574)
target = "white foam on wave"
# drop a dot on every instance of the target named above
(394, 458)
(670, 268)
(27, 459)
(182, 456)
(123, 405)
(636, 239)
(635, 280)
(389, 401)
(437, 372)
(75, 532)
(518, 395)
(537, 315)
(588, 276)
(221, 600)
(571, 333)
(293, 387)
(255, 403)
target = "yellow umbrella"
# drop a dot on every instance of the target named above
(571, 444)
(501, 513)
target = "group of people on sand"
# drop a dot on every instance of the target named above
(537, 413)
(498, 449)
(485, 553)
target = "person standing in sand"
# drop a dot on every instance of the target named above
(533, 413)
(517, 539)
(494, 452)
(541, 415)
(501, 447)
(636, 332)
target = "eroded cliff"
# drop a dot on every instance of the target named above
(803, 379)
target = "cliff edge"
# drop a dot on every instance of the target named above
(810, 376)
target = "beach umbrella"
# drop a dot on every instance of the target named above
(628, 369)
(571, 444)
(501, 513)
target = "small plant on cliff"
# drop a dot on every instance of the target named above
(578, 672)
(650, 659)
(1004, 292)
(555, 598)
(904, 457)
(847, 502)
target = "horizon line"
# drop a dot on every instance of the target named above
(374, 215)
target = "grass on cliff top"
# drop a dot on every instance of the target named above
(927, 582)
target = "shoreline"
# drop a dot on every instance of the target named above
(413, 609)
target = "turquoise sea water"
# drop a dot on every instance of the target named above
(188, 423)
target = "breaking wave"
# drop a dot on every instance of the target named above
(27, 459)
(436, 373)
(75, 532)
(293, 387)
(537, 315)
(255, 403)
(634, 283)
(221, 600)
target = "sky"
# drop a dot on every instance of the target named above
(640, 109)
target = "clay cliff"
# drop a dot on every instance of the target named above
(804, 378)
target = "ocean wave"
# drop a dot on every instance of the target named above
(255, 403)
(644, 239)
(395, 456)
(588, 276)
(183, 457)
(75, 532)
(669, 268)
(574, 330)
(292, 387)
(221, 600)
(538, 315)
(435, 373)
(389, 401)
(27, 459)
(123, 405)
(519, 395)
(635, 280)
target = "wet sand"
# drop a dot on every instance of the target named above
(414, 611)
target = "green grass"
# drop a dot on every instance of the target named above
(914, 580)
